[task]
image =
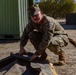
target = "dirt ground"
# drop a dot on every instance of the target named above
(8, 46)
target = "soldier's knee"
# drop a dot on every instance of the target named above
(58, 51)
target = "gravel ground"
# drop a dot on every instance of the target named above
(8, 46)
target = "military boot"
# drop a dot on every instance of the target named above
(62, 58)
(44, 56)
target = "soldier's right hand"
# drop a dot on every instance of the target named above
(22, 51)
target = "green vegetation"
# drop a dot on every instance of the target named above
(58, 8)
(75, 8)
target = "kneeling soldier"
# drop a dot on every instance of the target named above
(44, 32)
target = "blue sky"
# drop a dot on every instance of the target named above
(37, 0)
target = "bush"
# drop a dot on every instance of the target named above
(57, 8)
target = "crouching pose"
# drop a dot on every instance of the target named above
(44, 32)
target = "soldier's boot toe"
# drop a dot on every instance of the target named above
(61, 63)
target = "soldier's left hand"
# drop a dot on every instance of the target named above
(33, 57)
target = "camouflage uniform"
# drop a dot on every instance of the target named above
(50, 34)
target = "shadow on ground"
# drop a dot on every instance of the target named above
(2, 41)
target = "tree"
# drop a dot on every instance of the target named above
(57, 8)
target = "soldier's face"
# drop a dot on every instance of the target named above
(37, 18)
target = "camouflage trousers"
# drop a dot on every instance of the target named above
(55, 45)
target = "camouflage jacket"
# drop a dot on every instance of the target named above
(48, 28)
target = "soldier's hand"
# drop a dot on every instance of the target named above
(33, 57)
(22, 51)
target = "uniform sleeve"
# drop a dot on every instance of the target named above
(47, 37)
(24, 37)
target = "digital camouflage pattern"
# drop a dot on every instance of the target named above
(52, 34)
